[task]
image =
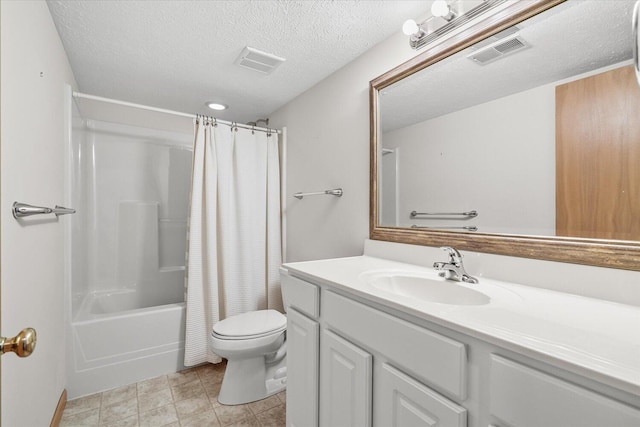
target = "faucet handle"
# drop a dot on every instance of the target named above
(454, 255)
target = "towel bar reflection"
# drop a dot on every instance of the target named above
(470, 214)
(20, 210)
(466, 227)
(335, 192)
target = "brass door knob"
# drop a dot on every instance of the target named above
(22, 344)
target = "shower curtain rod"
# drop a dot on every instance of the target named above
(162, 110)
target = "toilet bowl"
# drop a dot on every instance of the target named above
(255, 348)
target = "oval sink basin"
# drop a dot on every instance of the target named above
(427, 289)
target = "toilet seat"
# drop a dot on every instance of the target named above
(254, 324)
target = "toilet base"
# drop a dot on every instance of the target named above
(248, 380)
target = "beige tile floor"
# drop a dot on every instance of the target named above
(186, 398)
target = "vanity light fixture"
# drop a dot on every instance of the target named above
(442, 9)
(446, 17)
(216, 106)
(410, 28)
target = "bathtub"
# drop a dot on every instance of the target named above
(125, 247)
(119, 338)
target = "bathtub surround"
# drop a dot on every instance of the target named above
(234, 231)
(130, 185)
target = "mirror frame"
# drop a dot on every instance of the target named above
(603, 253)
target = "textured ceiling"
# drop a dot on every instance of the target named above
(573, 38)
(179, 54)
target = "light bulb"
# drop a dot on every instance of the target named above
(216, 106)
(440, 8)
(410, 27)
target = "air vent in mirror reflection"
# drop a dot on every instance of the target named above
(498, 50)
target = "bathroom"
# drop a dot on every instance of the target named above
(326, 126)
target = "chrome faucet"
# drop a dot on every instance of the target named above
(454, 270)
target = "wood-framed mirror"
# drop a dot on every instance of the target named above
(530, 151)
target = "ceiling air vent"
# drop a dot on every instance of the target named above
(259, 61)
(499, 49)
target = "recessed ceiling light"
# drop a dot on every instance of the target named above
(216, 106)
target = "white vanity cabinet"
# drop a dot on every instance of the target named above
(303, 352)
(393, 365)
(375, 369)
(357, 361)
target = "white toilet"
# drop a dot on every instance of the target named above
(255, 348)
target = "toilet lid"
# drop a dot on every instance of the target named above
(250, 324)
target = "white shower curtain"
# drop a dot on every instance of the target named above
(234, 247)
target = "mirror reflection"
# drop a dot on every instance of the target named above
(533, 131)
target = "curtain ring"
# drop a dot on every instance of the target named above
(215, 122)
(253, 130)
(268, 133)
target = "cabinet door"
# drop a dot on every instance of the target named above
(345, 385)
(524, 397)
(302, 370)
(401, 401)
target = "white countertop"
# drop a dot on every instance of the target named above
(594, 338)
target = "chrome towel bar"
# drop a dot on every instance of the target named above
(466, 227)
(21, 210)
(335, 192)
(470, 214)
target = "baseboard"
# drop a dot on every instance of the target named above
(57, 416)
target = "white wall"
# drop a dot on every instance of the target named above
(34, 69)
(497, 158)
(328, 147)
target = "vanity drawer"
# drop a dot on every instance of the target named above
(304, 296)
(433, 358)
(522, 396)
